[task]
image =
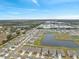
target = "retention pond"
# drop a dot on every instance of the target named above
(50, 40)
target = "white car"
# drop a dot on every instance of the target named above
(12, 48)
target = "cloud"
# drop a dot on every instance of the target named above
(35, 2)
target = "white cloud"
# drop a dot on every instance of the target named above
(67, 17)
(35, 2)
(29, 1)
(38, 17)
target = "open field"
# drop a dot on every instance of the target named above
(66, 36)
(38, 41)
(62, 36)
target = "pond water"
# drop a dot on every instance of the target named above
(50, 40)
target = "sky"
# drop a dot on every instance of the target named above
(39, 9)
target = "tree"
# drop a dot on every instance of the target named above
(9, 37)
(18, 32)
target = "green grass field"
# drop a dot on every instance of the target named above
(75, 37)
(62, 36)
(38, 41)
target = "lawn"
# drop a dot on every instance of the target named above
(38, 41)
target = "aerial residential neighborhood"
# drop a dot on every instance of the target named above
(45, 40)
